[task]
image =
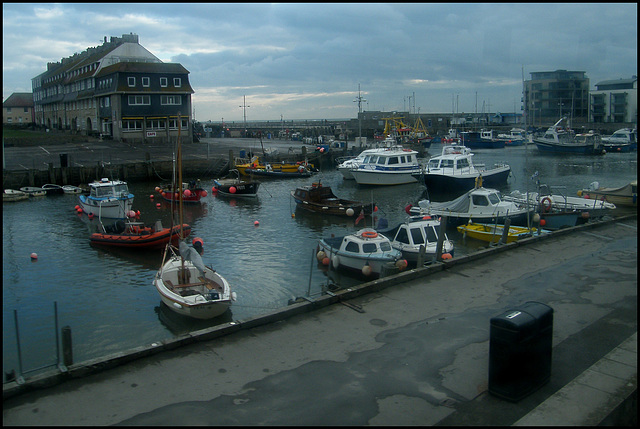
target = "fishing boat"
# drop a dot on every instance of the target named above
(107, 199)
(317, 198)
(480, 140)
(234, 186)
(34, 191)
(276, 173)
(454, 169)
(364, 252)
(623, 140)
(11, 195)
(70, 189)
(345, 166)
(393, 166)
(134, 235)
(184, 283)
(483, 205)
(191, 193)
(515, 137)
(626, 195)
(494, 233)
(564, 140)
(255, 164)
(53, 189)
(409, 236)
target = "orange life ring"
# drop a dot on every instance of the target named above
(546, 208)
(369, 234)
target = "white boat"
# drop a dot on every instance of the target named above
(484, 205)
(409, 236)
(393, 166)
(454, 169)
(515, 137)
(11, 195)
(365, 251)
(564, 140)
(346, 166)
(184, 283)
(34, 191)
(107, 199)
(623, 140)
(70, 189)
(548, 202)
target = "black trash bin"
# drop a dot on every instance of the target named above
(64, 160)
(520, 347)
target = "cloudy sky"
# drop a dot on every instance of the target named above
(305, 61)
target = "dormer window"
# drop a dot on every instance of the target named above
(177, 82)
(131, 81)
(164, 82)
(146, 82)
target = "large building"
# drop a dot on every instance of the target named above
(550, 95)
(18, 109)
(118, 90)
(615, 101)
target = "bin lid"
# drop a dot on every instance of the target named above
(527, 319)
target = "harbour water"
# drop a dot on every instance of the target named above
(107, 297)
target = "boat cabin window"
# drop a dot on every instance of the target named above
(402, 236)
(382, 160)
(447, 163)
(121, 188)
(385, 246)
(369, 248)
(480, 200)
(393, 160)
(352, 247)
(462, 163)
(433, 163)
(416, 236)
(494, 198)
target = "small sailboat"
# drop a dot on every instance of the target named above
(184, 283)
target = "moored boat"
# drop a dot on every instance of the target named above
(454, 169)
(11, 195)
(626, 195)
(364, 252)
(107, 199)
(234, 186)
(409, 236)
(53, 189)
(346, 166)
(255, 164)
(192, 192)
(515, 137)
(623, 140)
(394, 166)
(134, 235)
(70, 189)
(34, 191)
(321, 199)
(278, 174)
(564, 140)
(494, 233)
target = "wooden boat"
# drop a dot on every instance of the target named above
(109, 199)
(321, 199)
(409, 236)
(70, 189)
(563, 140)
(11, 195)
(255, 164)
(493, 233)
(191, 192)
(364, 252)
(34, 191)
(483, 205)
(134, 235)
(235, 187)
(184, 283)
(454, 169)
(53, 189)
(278, 174)
(626, 195)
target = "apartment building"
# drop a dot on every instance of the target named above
(615, 101)
(118, 90)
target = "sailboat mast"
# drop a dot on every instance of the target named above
(179, 163)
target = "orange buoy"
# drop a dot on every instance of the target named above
(34, 256)
(325, 261)
(203, 194)
(256, 223)
(187, 193)
(233, 189)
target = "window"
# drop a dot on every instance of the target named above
(393, 160)
(136, 100)
(416, 236)
(156, 124)
(170, 100)
(480, 200)
(369, 248)
(146, 82)
(131, 81)
(130, 125)
(177, 82)
(163, 82)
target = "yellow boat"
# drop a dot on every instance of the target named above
(277, 167)
(493, 233)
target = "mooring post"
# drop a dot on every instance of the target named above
(441, 233)
(67, 349)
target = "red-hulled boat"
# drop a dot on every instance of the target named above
(191, 193)
(136, 236)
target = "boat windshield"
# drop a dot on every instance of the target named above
(433, 163)
(122, 188)
(494, 198)
(369, 248)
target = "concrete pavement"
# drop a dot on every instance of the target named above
(417, 353)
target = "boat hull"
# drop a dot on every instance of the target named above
(276, 174)
(385, 178)
(235, 189)
(154, 240)
(491, 178)
(110, 208)
(493, 233)
(550, 147)
(625, 196)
